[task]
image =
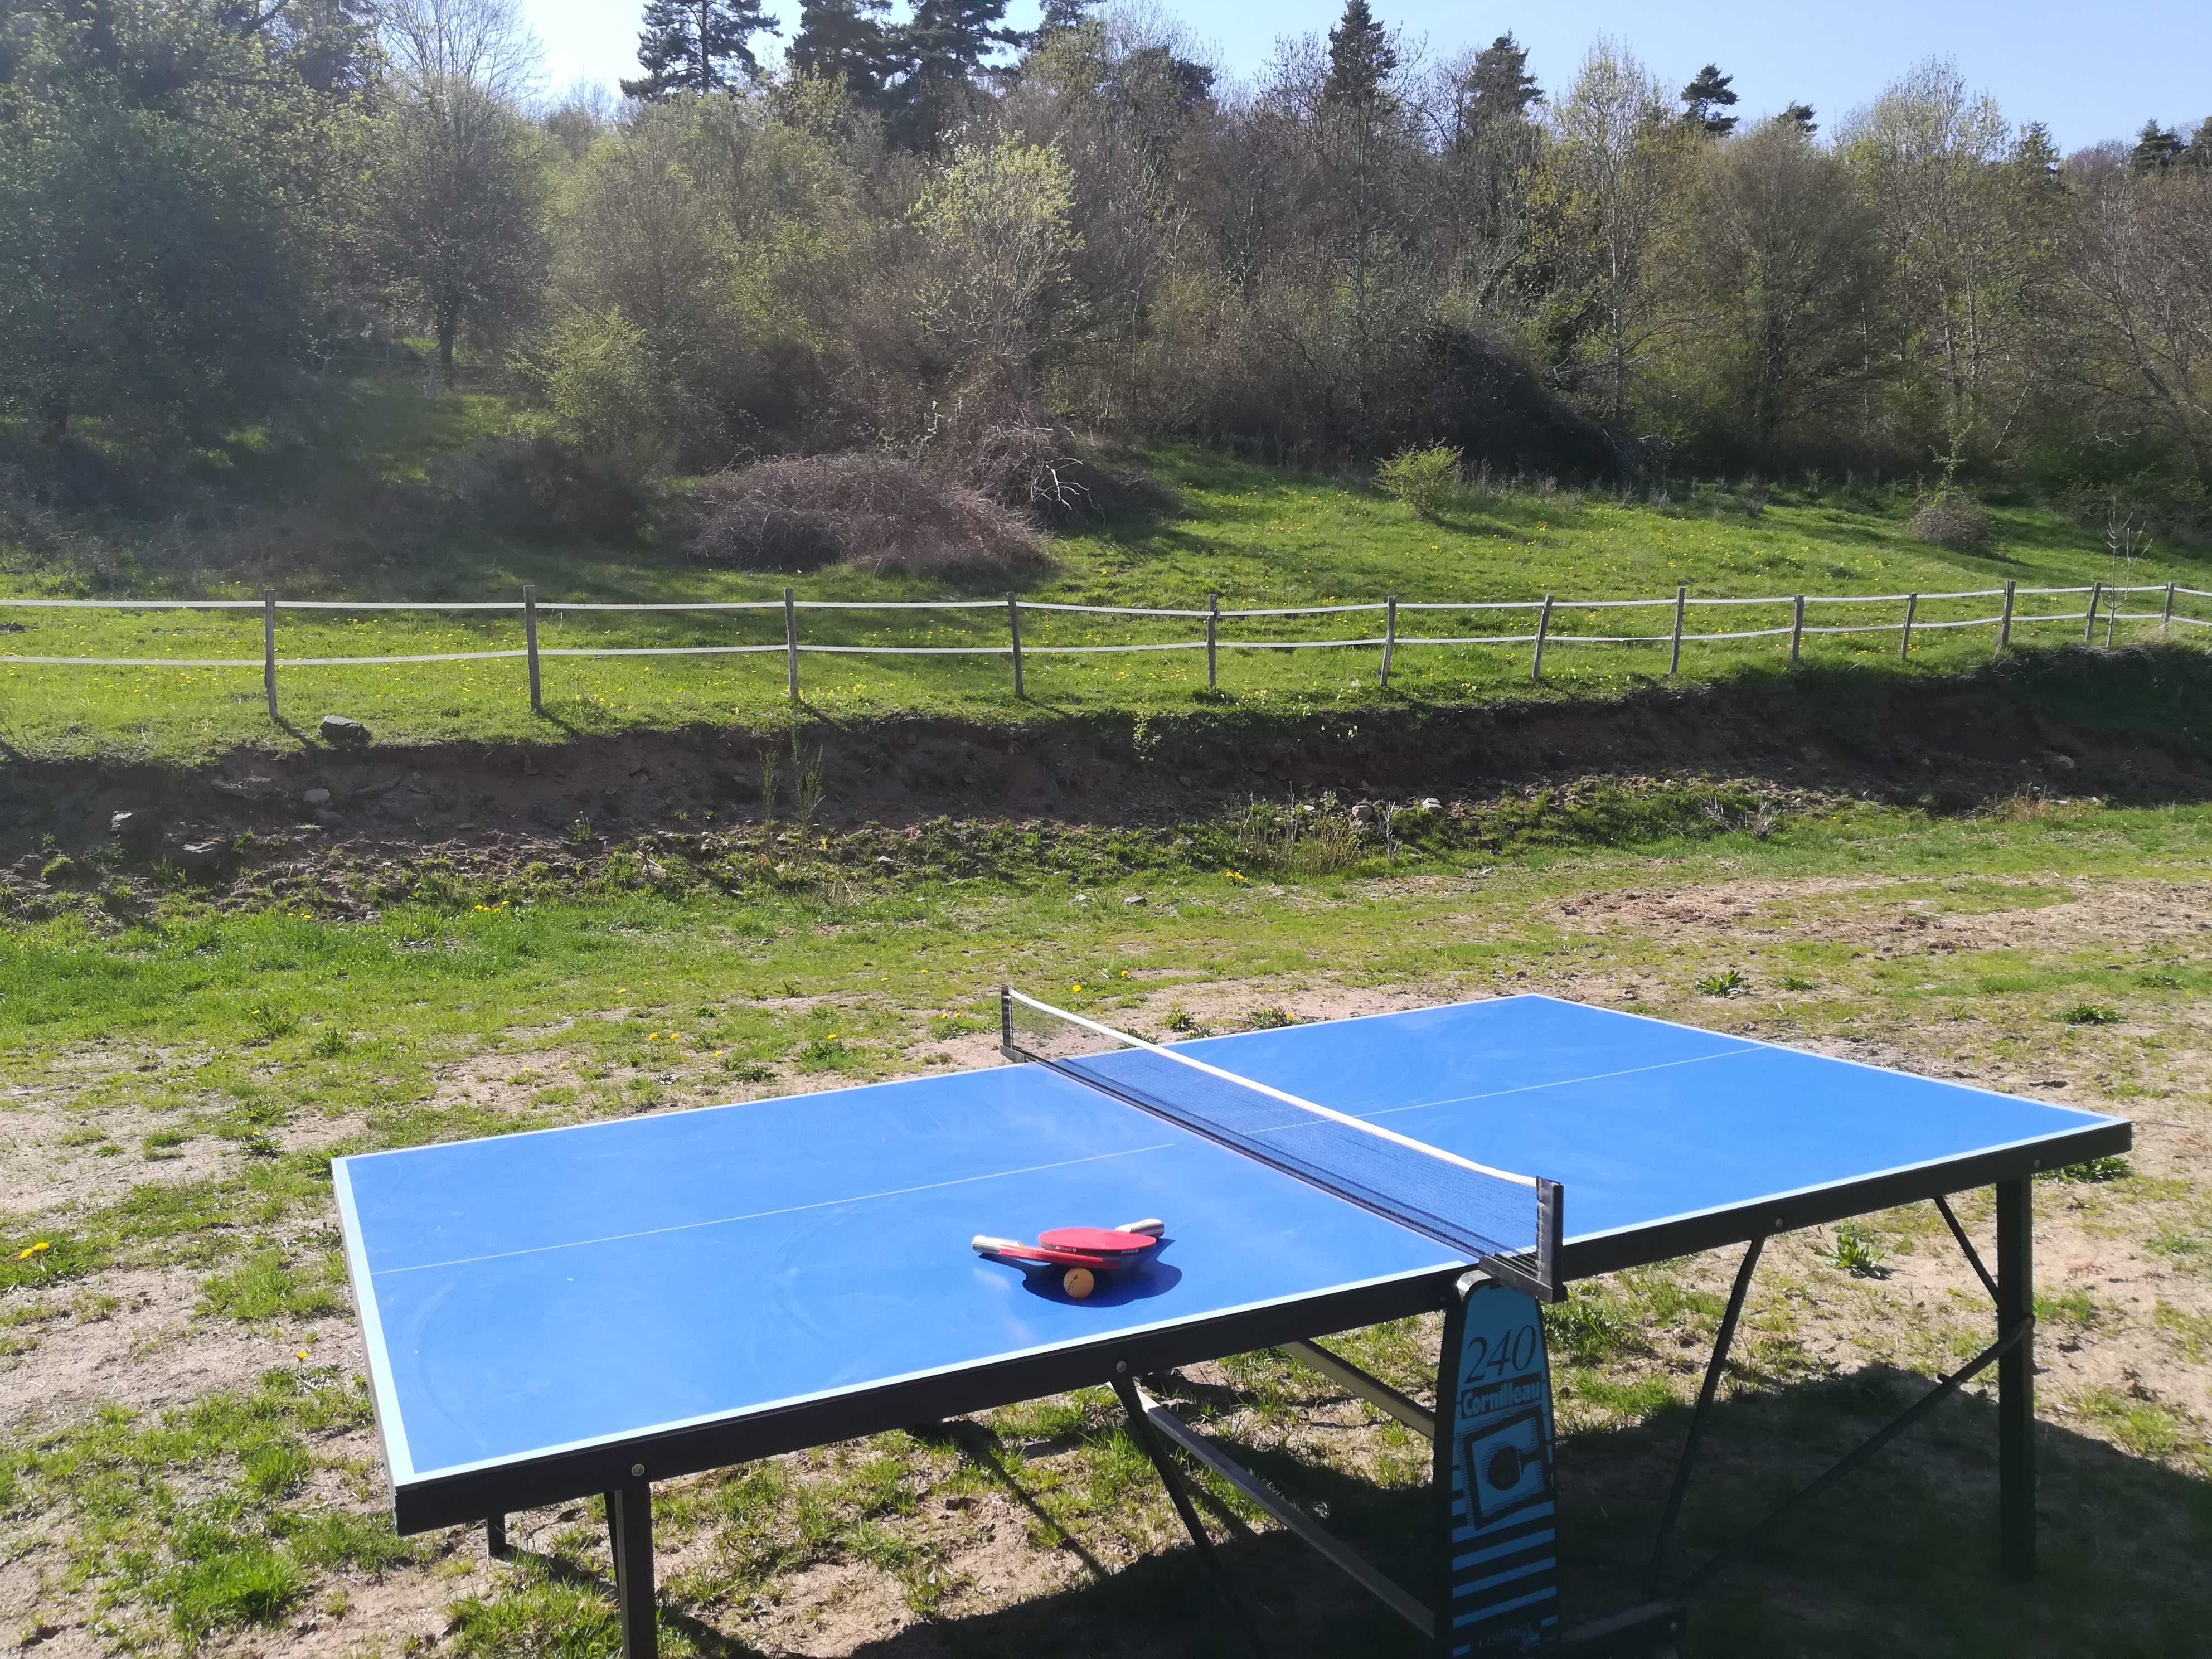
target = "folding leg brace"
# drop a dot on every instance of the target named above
(2013, 1289)
(1489, 1568)
(1663, 1619)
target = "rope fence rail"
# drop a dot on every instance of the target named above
(2103, 602)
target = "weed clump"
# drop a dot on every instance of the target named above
(1307, 840)
(1948, 518)
(2091, 1013)
(876, 511)
(1858, 1252)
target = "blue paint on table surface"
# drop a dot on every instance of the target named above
(534, 1291)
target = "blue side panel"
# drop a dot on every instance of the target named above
(1499, 1541)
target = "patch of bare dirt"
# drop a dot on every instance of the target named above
(57, 1157)
(131, 1338)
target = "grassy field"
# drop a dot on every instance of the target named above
(1257, 536)
(187, 1462)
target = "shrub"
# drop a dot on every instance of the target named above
(1424, 479)
(602, 387)
(1947, 519)
(872, 510)
(1055, 476)
(537, 485)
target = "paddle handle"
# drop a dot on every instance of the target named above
(1149, 1225)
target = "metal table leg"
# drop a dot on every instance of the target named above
(629, 1534)
(2016, 1378)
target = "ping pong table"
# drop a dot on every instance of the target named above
(589, 1310)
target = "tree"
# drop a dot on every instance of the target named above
(1800, 116)
(945, 46)
(1489, 145)
(2156, 146)
(1062, 15)
(1707, 94)
(995, 222)
(2199, 152)
(1929, 155)
(845, 42)
(171, 180)
(1770, 256)
(1614, 162)
(1363, 56)
(457, 191)
(691, 45)
(1498, 84)
(2136, 290)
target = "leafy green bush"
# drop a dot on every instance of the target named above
(1424, 479)
(604, 391)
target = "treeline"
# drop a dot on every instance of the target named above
(936, 236)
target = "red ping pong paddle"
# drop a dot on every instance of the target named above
(1101, 1241)
(1015, 1250)
(1078, 1247)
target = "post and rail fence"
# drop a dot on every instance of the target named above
(2104, 602)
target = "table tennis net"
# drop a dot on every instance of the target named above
(1487, 1214)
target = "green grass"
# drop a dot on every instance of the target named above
(1259, 537)
(198, 1515)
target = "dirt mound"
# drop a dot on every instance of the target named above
(2132, 726)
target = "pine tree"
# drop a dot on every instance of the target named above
(941, 49)
(845, 41)
(1500, 87)
(2156, 148)
(691, 45)
(1800, 116)
(1361, 58)
(2199, 152)
(1707, 93)
(1060, 14)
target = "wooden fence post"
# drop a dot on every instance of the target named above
(1213, 637)
(791, 643)
(2165, 616)
(1904, 647)
(2089, 624)
(530, 638)
(1797, 628)
(2004, 622)
(1543, 631)
(1014, 631)
(1681, 598)
(269, 649)
(1389, 633)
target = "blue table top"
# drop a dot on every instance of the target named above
(566, 1288)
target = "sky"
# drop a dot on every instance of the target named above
(2087, 72)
